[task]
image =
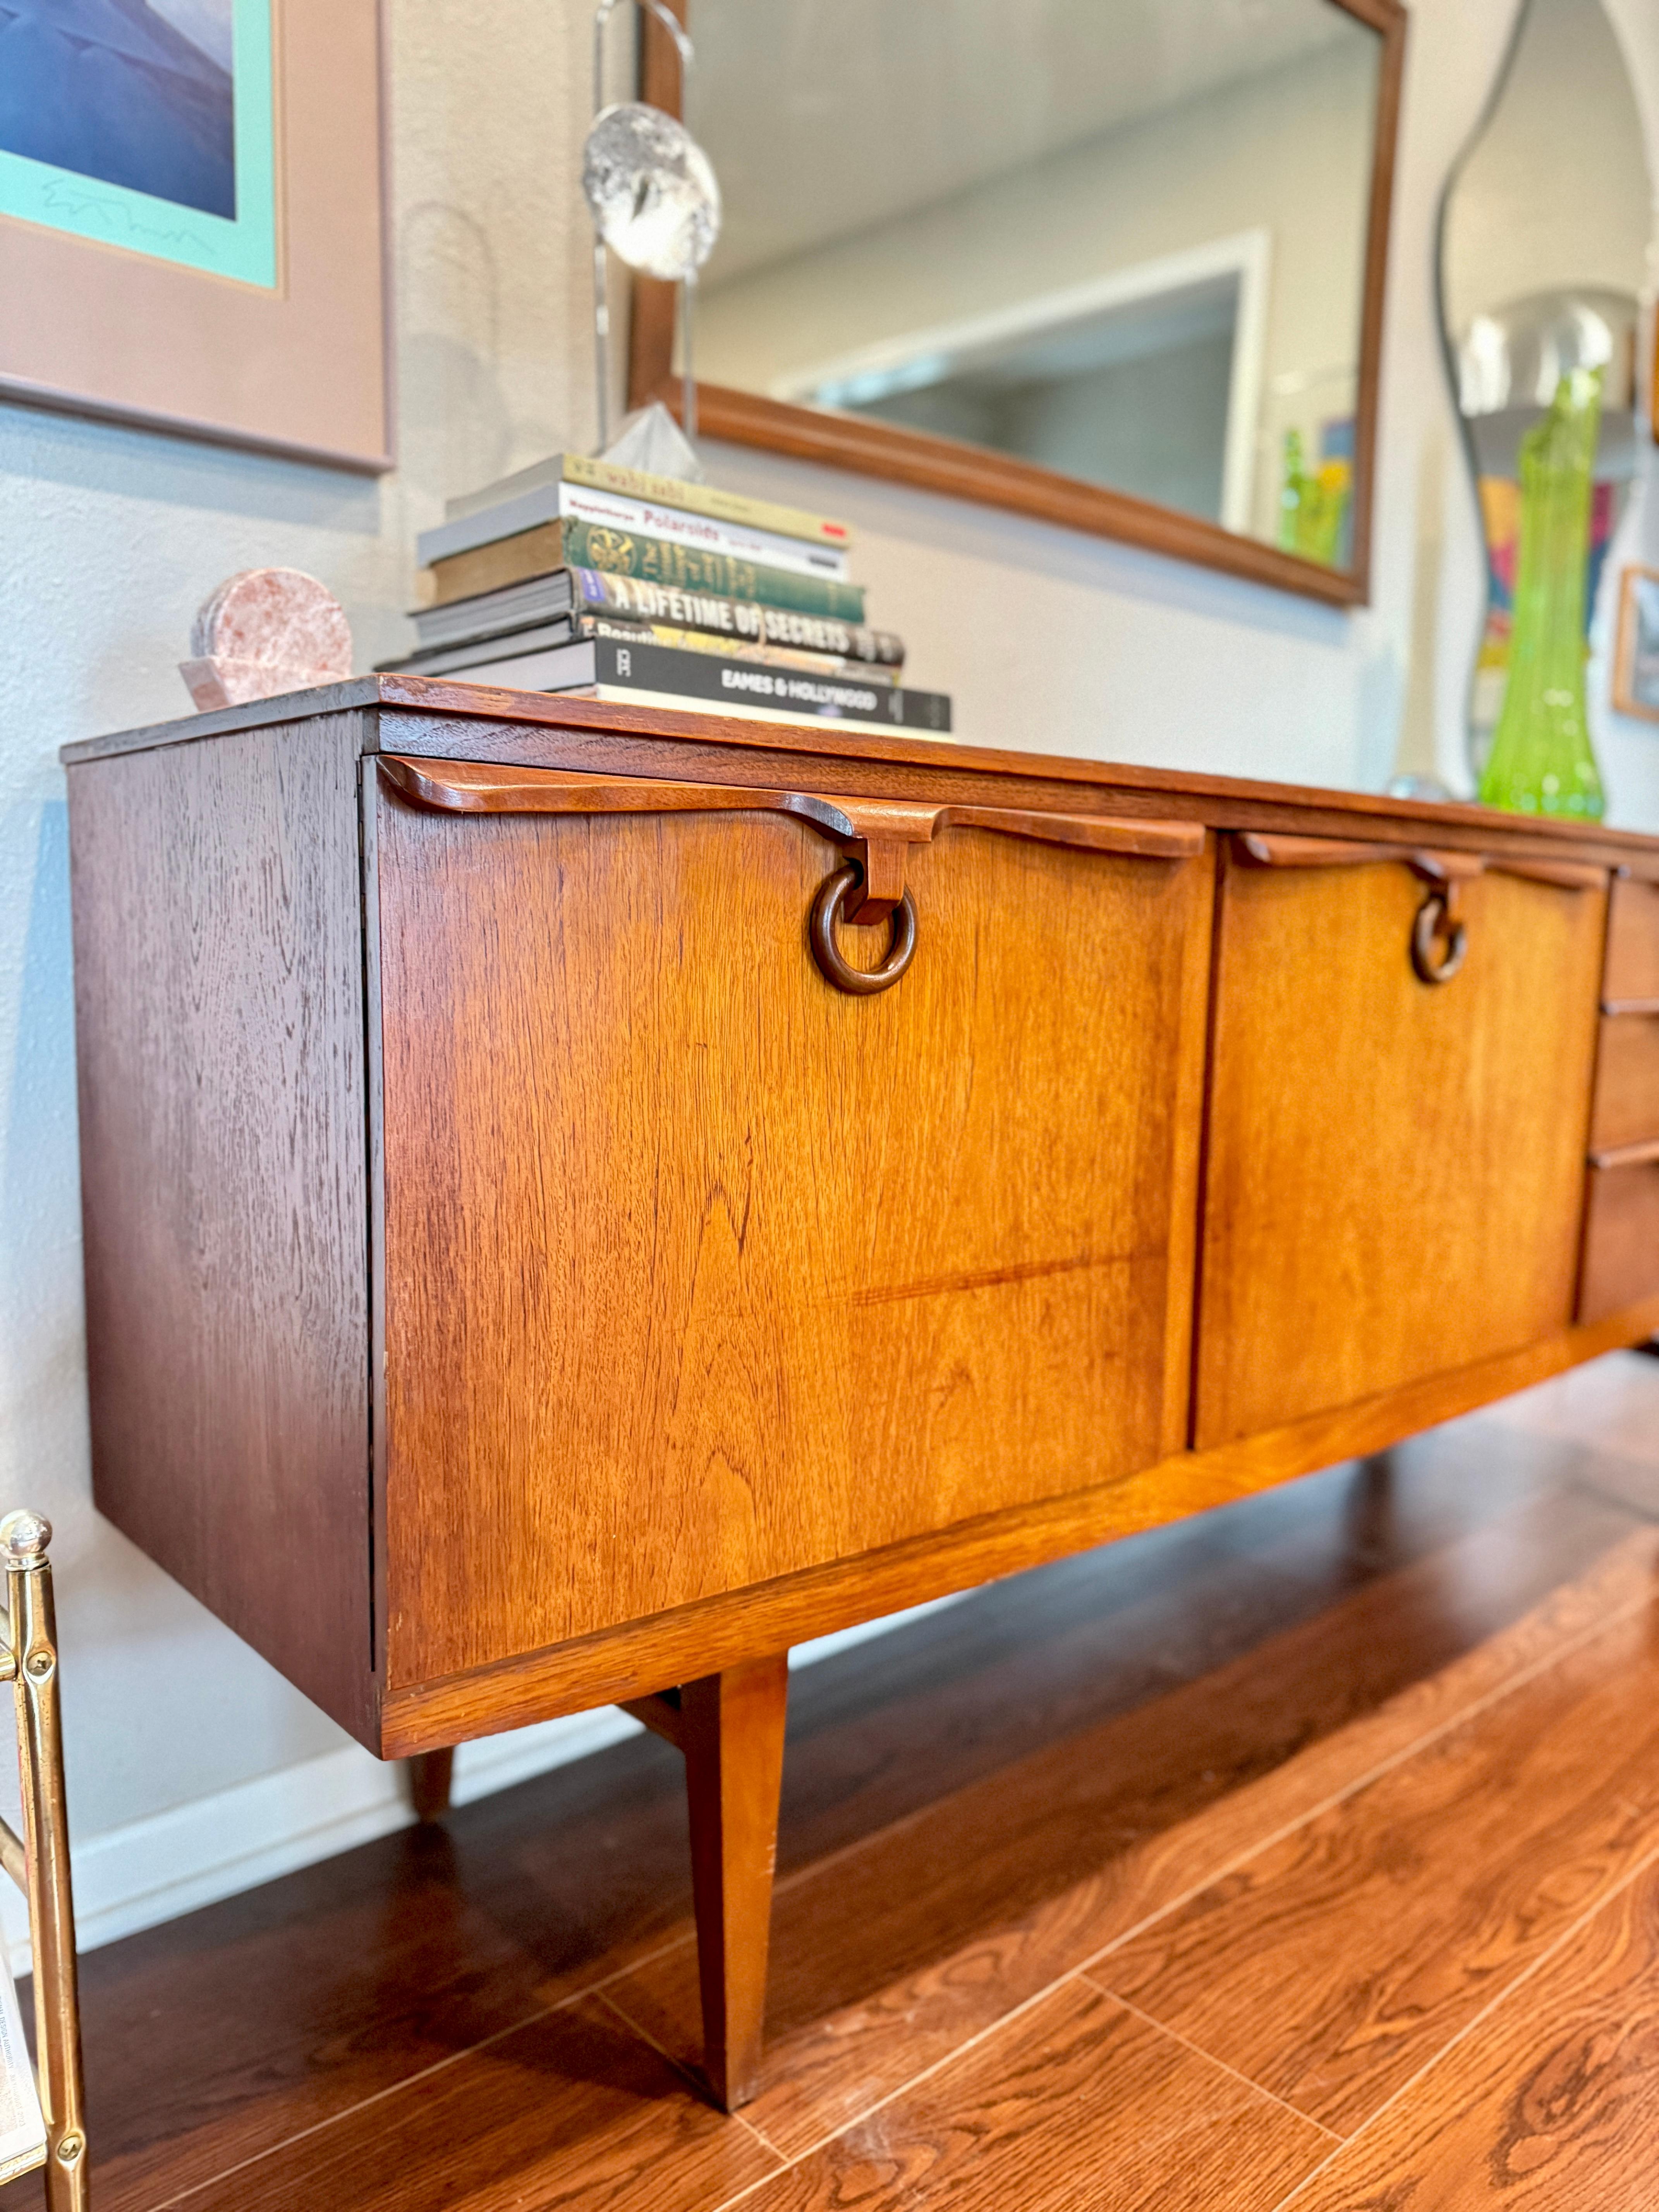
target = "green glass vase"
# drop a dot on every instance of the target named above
(1313, 506)
(1542, 761)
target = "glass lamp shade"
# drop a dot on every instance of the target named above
(652, 189)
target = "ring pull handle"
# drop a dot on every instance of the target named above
(1435, 923)
(827, 908)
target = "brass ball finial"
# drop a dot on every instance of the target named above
(24, 1535)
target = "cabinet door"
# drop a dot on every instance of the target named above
(699, 1271)
(1394, 1167)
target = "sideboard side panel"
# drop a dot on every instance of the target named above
(219, 1003)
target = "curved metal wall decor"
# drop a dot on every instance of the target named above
(1539, 263)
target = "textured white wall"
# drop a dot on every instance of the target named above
(109, 538)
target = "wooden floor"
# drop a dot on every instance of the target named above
(1307, 1854)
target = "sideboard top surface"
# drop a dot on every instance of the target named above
(406, 714)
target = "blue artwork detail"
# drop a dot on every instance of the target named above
(111, 89)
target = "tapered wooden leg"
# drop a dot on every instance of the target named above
(732, 1735)
(430, 1773)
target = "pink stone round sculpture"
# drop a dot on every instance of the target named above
(265, 631)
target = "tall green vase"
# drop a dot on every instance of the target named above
(1541, 762)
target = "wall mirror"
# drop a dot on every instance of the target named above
(1115, 263)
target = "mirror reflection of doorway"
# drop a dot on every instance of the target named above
(1125, 243)
(1148, 380)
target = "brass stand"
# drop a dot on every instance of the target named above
(37, 1861)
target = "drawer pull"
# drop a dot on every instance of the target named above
(1435, 921)
(827, 909)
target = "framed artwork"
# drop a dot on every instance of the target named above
(192, 219)
(1636, 660)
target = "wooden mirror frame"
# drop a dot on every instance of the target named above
(992, 479)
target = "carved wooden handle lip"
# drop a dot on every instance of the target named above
(485, 788)
(876, 832)
(1433, 866)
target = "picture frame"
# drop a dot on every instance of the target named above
(1636, 655)
(192, 209)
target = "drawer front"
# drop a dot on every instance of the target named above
(698, 1270)
(1632, 970)
(1621, 1239)
(1626, 1082)
(1393, 1168)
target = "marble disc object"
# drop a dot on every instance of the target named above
(652, 191)
(265, 631)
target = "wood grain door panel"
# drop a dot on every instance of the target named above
(1394, 1170)
(699, 1271)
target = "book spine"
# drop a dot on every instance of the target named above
(696, 641)
(689, 568)
(550, 502)
(443, 659)
(576, 502)
(635, 598)
(706, 499)
(431, 630)
(532, 555)
(716, 677)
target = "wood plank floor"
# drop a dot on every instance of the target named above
(1306, 1854)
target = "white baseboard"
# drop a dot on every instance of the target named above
(172, 1862)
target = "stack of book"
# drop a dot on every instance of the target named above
(581, 576)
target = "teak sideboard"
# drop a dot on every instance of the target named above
(580, 1199)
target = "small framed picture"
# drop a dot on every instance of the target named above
(1636, 662)
(190, 219)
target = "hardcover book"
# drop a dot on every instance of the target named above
(454, 658)
(638, 599)
(608, 510)
(475, 652)
(755, 649)
(658, 675)
(659, 491)
(515, 606)
(628, 553)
